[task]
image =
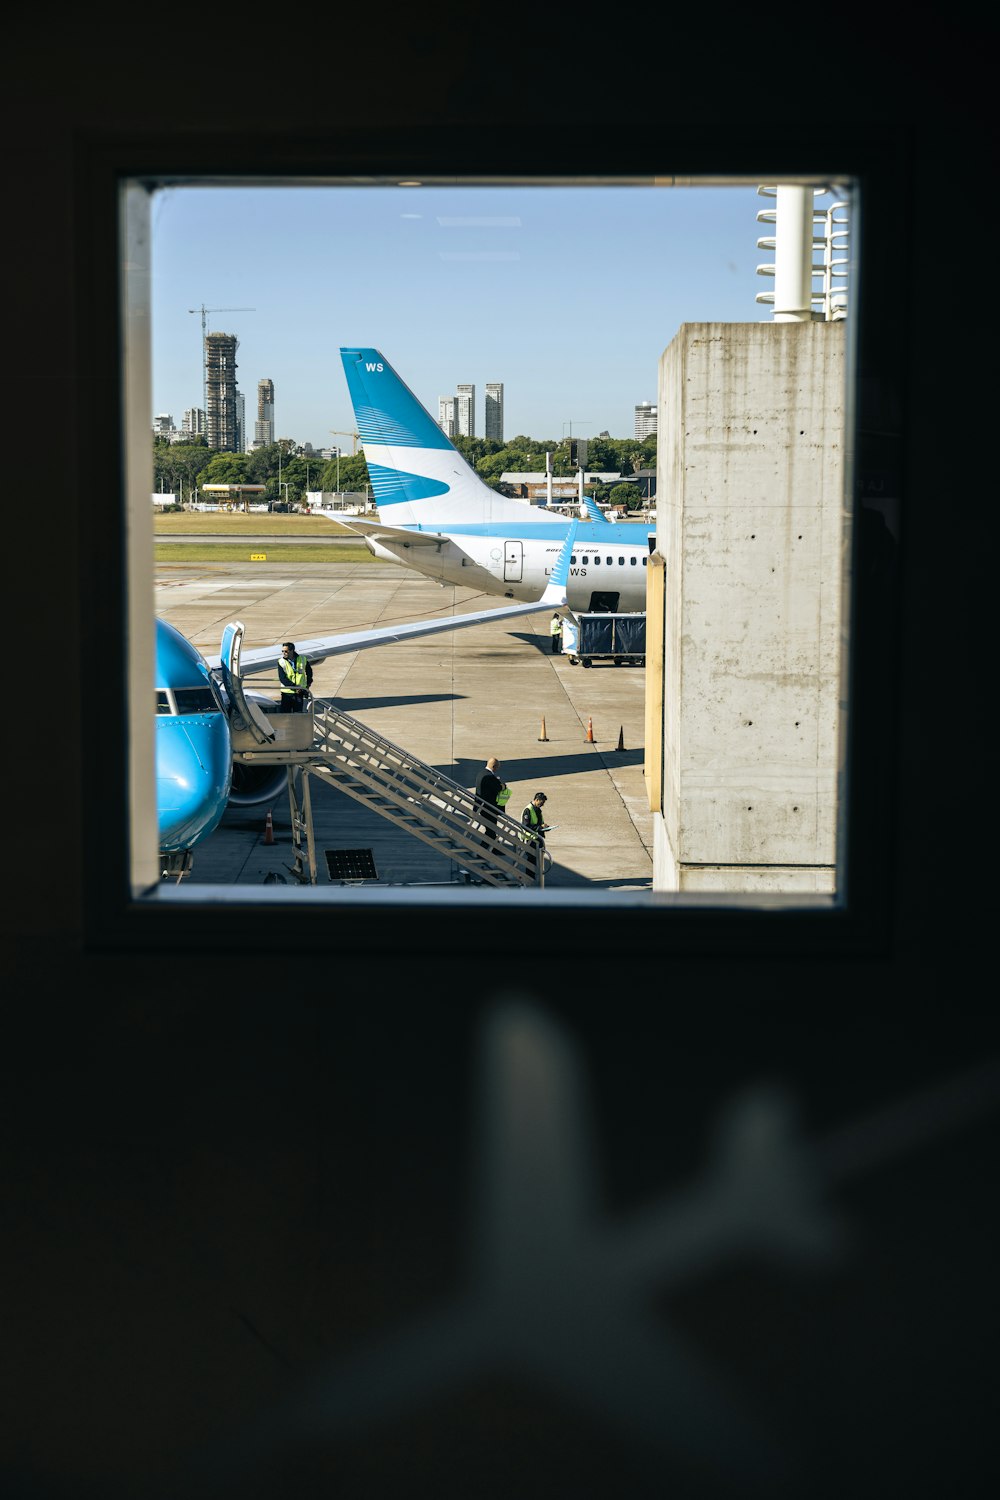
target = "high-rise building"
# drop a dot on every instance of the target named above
(220, 391)
(448, 415)
(263, 431)
(241, 422)
(465, 407)
(163, 427)
(193, 424)
(645, 419)
(494, 410)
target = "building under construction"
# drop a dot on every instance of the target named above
(220, 392)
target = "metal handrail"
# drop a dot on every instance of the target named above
(420, 791)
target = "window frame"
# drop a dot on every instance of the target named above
(123, 912)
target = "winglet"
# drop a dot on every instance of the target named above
(555, 591)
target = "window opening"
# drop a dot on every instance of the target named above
(203, 701)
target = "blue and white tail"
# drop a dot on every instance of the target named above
(418, 477)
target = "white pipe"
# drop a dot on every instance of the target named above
(793, 255)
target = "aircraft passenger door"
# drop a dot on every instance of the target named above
(244, 708)
(513, 561)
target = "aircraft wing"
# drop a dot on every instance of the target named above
(317, 648)
(378, 530)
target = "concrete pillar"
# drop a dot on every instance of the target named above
(752, 523)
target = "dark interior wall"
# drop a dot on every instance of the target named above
(225, 1183)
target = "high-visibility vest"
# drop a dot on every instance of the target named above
(503, 796)
(536, 820)
(555, 627)
(294, 673)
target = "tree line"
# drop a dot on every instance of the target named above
(288, 470)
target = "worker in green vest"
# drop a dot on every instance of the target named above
(295, 676)
(534, 825)
(555, 634)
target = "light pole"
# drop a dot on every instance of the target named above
(569, 424)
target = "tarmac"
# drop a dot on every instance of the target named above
(452, 699)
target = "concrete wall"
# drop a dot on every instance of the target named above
(752, 523)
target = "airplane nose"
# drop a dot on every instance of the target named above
(194, 767)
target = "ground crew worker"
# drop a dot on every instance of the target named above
(555, 634)
(535, 826)
(295, 674)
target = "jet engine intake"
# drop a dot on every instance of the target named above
(255, 784)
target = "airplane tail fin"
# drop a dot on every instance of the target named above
(418, 476)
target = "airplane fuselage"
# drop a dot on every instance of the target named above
(516, 562)
(194, 755)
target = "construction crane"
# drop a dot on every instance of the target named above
(204, 314)
(206, 310)
(352, 435)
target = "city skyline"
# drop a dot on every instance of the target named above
(567, 296)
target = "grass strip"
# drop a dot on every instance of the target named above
(272, 552)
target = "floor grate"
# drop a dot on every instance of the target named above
(351, 864)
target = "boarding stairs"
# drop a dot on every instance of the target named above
(407, 791)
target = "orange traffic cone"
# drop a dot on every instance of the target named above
(621, 737)
(590, 732)
(543, 735)
(268, 829)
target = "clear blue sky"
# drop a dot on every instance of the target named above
(567, 295)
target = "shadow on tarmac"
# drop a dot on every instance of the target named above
(355, 705)
(540, 768)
